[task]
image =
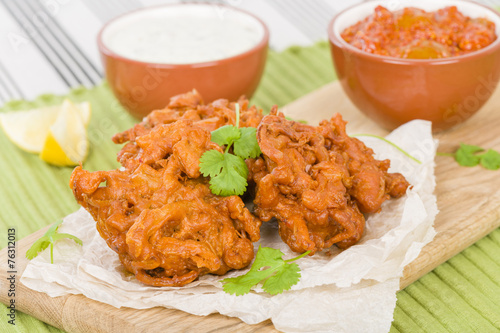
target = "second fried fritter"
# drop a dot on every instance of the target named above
(317, 181)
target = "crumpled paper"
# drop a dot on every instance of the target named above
(340, 291)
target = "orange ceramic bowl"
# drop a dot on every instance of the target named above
(392, 91)
(142, 87)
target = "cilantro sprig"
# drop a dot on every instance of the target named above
(392, 144)
(278, 274)
(49, 238)
(228, 171)
(471, 155)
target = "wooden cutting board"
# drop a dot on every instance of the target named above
(468, 199)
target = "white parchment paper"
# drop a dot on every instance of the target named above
(349, 291)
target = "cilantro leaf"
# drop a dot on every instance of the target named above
(283, 280)
(278, 274)
(267, 256)
(468, 155)
(242, 284)
(246, 145)
(237, 163)
(225, 135)
(211, 163)
(41, 244)
(465, 155)
(228, 183)
(228, 173)
(490, 160)
(48, 239)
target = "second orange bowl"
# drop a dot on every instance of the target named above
(392, 91)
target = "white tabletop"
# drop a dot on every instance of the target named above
(49, 46)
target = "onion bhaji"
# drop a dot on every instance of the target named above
(157, 212)
(317, 182)
(188, 106)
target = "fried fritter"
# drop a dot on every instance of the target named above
(317, 181)
(158, 213)
(190, 106)
(371, 183)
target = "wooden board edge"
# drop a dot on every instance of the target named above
(423, 265)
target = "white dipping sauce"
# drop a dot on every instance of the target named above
(183, 34)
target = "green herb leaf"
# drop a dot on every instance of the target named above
(211, 163)
(237, 164)
(246, 146)
(284, 279)
(267, 256)
(53, 228)
(226, 135)
(278, 274)
(228, 183)
(48, 239)
(490, 160)
(242, 284)
(469, 156)
(465, 155)
(41, 244)
(228, 173)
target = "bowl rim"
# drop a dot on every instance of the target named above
(340, 42)
(104, 50)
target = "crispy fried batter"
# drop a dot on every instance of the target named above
(159, 215)
(157, 212)
(190, 106)
(316, 181)
(371, 183)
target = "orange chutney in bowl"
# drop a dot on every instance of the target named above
(413, 33)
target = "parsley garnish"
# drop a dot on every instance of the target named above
(278, 274)
(50, 237)
(228, 172)
(470, 155)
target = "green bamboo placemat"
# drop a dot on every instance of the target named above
(462, 295)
